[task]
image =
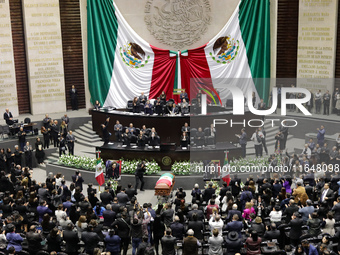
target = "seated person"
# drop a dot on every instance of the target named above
(184, 140)
(184, 107)
(135, 105)
(97, 105)
(199, 139)
(8, 117)
(126, 137)
(158, 106)
(184, 96)
(132, 129)
(154, 138)
(143, 98)
(141, 139)
(169, 108)
(148, 108)
(186, 128)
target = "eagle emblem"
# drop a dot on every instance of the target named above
(133, 55)
(225, 50)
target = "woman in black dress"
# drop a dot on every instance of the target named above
(39, 151)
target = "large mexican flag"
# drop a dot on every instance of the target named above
(121, 64)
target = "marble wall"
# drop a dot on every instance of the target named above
(44, 56)
(8, 89)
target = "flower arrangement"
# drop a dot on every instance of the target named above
(85, 163)
(130, 166)
(186, 167)
(114, 183)
(216, 186)
(237, 164)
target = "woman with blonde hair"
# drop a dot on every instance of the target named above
(81, 225)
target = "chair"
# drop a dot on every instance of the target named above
(129, 105)
(229, 103)
(6, 131)
(1, 132)
(27, 120)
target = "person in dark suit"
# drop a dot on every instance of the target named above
(336, 209)
(284, 131)
(197, 226)
(106, 197)
(184, 96)
(295, 229)
(55, 133)
(130, 191)
(273, 233)
(199, 139)
(74, 98)
(118, 131)
(141, 139)
(139, 175)
(235, 185)
(243, 141)
(109, 216)
(122, 228)
(199, 213)
(46, 121)
(22, 138)
(71, 239)
(90, 238)
(290, 210)
(235, 225)
(8, 117)
(78, 180)
(158, 106)
(208, 192)
(43, 193)
(177, 229)
(148, 108)
(126, 138)
(326, 194)
(233, 242)
(123, 198)
(106, 133)
(168, 243)
(70, 139)
(234, 211)
(143, 98)
(34, 238)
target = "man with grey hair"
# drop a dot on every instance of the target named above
(109, 216)
(306, 211)
(234, 211)
(177, 229)
(195, 210)
(190, 244)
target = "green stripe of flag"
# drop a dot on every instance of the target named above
(254, 18)
(102, 32)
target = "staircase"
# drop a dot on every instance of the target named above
(86, 141)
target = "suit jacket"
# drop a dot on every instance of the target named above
(72, 239)
(122, 228)
(200, 214)
(177, 230)
(122, 198)
(234, 226)
(109, 217)
(7, 118)
(208, 193)
(106, 198)
(290, 210)
(43, 195)
(231, 214)
(168, 245)
(197, 227)
(130, 193)
(78, 181)
(295, 228)
(336, 210)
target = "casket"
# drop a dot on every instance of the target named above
(165, 184)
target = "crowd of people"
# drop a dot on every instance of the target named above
(289, 215)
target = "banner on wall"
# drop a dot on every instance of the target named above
(122, 65)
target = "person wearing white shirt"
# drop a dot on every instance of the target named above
(307, 151)
(275, 215)
(215, 222)
(257, 138)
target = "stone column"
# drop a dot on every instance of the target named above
(83, 19)
(317, 44)
(8, 88)
(44, 56)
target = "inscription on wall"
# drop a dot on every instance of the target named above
(44, 55)
(176, 22)
(316, 44)
(8, 90)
